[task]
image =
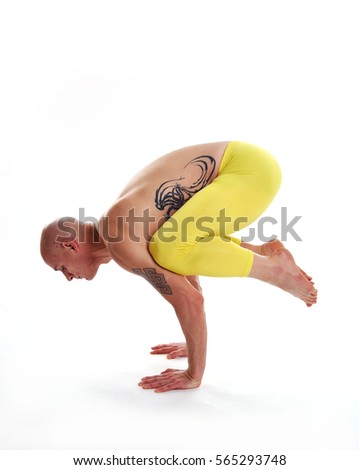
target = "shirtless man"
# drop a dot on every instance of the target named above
(173, 222)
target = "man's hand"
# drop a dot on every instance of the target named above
(172, 350)
(170, 379)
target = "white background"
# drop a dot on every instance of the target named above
(90, 93)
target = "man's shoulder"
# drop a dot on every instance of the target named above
(124, 246)
(111, 225)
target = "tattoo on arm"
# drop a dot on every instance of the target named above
(157, 280)
(172, 194)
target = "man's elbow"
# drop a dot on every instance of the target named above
(192, 301)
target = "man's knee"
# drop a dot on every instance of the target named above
(275, 179)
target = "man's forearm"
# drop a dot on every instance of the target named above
(192, 318)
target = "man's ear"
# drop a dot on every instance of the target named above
(72, 245)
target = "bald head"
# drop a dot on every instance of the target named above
(67, 245)
(57, 232)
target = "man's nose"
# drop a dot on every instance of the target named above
(68, 276)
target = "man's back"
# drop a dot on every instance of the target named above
(158, 191)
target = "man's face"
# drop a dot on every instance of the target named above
(73, 264)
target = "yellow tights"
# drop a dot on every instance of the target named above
(196, 239)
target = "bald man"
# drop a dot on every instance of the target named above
(174, 222)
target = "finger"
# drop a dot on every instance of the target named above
(163, 350)
(151, 378)
(164, 345)
(173, 355)
(178, 353)
(159, 346)
(161, 379)
(156, 384)
(164, 375)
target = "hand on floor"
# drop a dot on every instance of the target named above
(172, 350)
(170, 379)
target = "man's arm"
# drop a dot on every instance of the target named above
(175, 350)
(188, 304)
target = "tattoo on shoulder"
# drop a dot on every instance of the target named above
(158, 281)
(172, 194)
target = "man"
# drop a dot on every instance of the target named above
(173, 222)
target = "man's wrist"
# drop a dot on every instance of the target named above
(194, 379)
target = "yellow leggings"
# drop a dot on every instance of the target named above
(196, 239)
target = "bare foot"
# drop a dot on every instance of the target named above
(274, 245)
(268, 249)
(286, 275)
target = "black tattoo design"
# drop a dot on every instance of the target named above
(158, 281)
(172, 194)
